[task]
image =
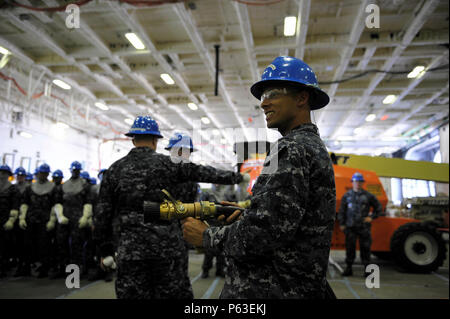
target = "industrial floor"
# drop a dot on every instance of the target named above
(393, 284)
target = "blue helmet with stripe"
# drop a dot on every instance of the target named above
(144, 125)
(20, 171)
(58, 173)
(182, 141)
(357, 177)
(75, 166)
(286, 70)
(44, 168)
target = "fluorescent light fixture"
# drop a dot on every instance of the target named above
(370, 117)
(193, 106)
(216, 132)
(61, 84)
(4, 51)
(389, 99)
(25, 134)
(358, 130)
(129, 121)
(223, 141)
(135, 41)
(418, 72)
(101, 106)
(205, 120)
(290, 24)
(62, 125)
(166, 78)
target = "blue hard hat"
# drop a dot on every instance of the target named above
(44, 168)
(84, 175)
(20, 171)
(93, 181)
(36, 171)
(58, 173)
(292, 71)
(6, 168)
(29, 177)
(181, 140)
(144, 125)
(358, 177)
(75, 165)
(101, 172)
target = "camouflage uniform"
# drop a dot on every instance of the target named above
(149, 254)
(9, 199)
(18, 234)
(355, 206)
(40, 198)
(279, 247)
(70, 238)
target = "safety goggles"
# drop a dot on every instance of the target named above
(274, 93)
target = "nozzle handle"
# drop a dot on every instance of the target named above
(151, 211)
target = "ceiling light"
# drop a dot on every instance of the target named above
(61, 84)
(418, 72)
(101, 106)
(193, 106)
(358, 130)
(205, 120)
(4, 51)
(370, 117)
(25, 134)
(216, 132)
(62, 125)
(135, 41)
(166, 78)
(389, 99)
(290, 24)
(129, 121)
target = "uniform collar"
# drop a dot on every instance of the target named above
(141, 149)
(307, 127)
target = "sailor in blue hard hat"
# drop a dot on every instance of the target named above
(357, 177)
(145, 132)
(288, 91)
(57, 177)
(180, 147)
(21, 174)
(85, 175)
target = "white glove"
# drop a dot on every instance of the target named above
(87, 213)
(51, 223)
(245, 180)
(23, 215)
(58, 208)
(109, 262)
(12, 219)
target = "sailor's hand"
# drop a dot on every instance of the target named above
(193, 231)
(368, 219)
(233, 217)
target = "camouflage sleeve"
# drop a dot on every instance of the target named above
(342, 214)
(377, 208)
(207, 174)
(275, 215)
(103, 224)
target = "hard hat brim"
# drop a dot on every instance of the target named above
(321, 99)
(191, 149)
(131, 134)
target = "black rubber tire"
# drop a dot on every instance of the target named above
(424, 233)
(383, 255)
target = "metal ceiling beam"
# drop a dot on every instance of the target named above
(346, 54)
(415, 109)
(188, 22)
(421, 14)
(247, 37)
(302, 27)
